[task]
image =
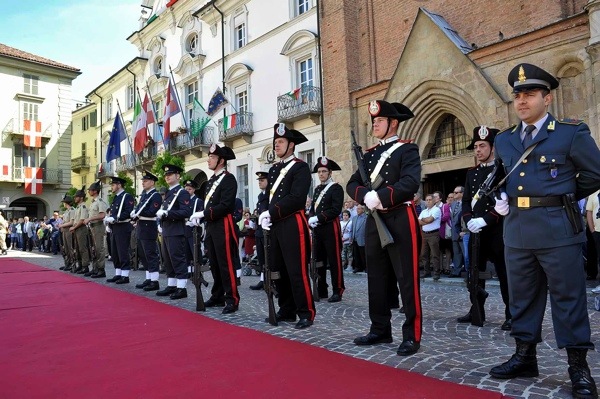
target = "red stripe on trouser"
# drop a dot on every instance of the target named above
(338, 253)
(230, 233)
(414, 233)
(302, 227)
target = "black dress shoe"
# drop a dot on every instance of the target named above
(113, 279)
(507, 325)
(230, 308)
(122, 280)
(62, 268)
(168, 290)
(99, 274)
(83, 270)
(152, 286)
(143, 284)
(303, 323)
(373, 339)
(179, 293)
(402, 309)
(282, 318)
(335, 298)
(408, 348)
(259, 286)
(89, 274)
(213, 303)
(464, 319)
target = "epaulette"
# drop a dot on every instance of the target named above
(512, 129)
(569, 121)
(298, 159)
(371, 148)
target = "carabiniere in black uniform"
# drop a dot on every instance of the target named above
(120, 210)
(326, 209)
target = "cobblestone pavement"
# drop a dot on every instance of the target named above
(449, 351)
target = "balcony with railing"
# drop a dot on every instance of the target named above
(80, 163)
(17, 175)
(125, 162)
(301, 103)
(105, 169)
(17, 128)
(241, 129)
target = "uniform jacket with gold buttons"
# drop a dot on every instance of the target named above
(565, 160)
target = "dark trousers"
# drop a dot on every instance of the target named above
(290, 254)
(173, 251)
(120, 245)
(148, 253)
(360, 259)
(399, 261)
(260, 251)
(221, 243)
(532, 274)
(328, 249)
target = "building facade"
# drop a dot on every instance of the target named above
(85, 152)
(262, 55)
(35, 117)
(449, 62)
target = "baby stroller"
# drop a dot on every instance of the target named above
(250, 264)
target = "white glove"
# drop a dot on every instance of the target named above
(161, 214)
(263, 215)
(110, 220)
(108, 229)
(266, 223)
(190, 223)
(160, 229)
(372, 200)
(104, 220)
(502, 205)
(196, 216)
(475, 225)
(313, 221)
(133, 215)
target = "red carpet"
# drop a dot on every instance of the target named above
(66, 337)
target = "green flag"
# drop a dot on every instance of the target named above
(199, 119)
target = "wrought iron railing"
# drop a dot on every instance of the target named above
(105, 169)
(50, 176)
(299, 103)
(243, 127)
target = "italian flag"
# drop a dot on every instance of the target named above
(230, 121)
(294, 93)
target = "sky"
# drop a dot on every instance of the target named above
(86, 34)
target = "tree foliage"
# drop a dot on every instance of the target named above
(159, 171)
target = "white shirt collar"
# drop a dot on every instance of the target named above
(538, 125)
(288, 159)
(388, 140)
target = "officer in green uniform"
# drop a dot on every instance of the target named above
(97, 212)
(81, 232)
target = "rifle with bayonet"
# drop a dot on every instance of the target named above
(385, 237)
(270, 277)
(477, 294)
(314, 265)
(197, 277)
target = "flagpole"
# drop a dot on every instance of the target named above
(180, 107)
(153, 111)
(130, 146)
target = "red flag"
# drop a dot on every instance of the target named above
(149, 113)
(4, 170)
(171, 108)
(33, 180)
(33, 137)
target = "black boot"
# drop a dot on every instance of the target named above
(583, 385)
(522, 364)
(258, 286)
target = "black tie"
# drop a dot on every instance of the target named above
(528, 139)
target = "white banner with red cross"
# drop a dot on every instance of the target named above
(33, 180)
(33, 133)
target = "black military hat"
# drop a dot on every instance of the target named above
(224, 152)
(168, 169)
(96, 186)
(483, 133)
(324, 162)
(191, 183)
(525, 77)
(117, 180)
(80, 193)
(262, 175)
(404, 111)
(380, 108)
(292, 135)
(149, 176)
(67, 199)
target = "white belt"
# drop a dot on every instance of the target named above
(124, 221)
(147, 218)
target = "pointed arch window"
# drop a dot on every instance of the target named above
(450, 139)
